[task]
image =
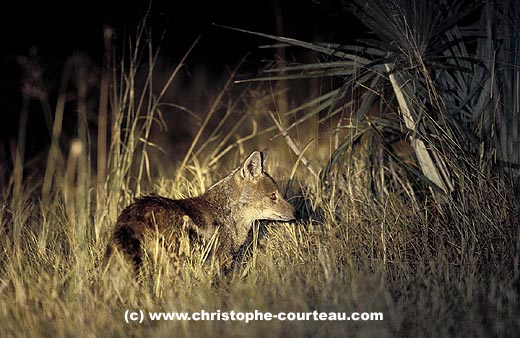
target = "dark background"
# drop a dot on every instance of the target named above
(57, 30)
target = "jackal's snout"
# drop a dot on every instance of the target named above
(284, 210)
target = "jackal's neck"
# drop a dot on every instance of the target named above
(222, 194)
(224, 199)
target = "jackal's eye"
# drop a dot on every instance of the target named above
(273, 196)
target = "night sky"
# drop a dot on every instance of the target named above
(59, 29)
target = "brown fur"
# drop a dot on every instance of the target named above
(226, 210)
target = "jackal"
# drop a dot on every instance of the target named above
(224, 214)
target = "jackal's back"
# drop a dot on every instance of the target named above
(150, 213)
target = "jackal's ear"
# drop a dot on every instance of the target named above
(252, 166)
(264, 153)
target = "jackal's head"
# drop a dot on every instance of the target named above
(259, 198)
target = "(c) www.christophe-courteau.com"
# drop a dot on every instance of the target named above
(138, 316)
